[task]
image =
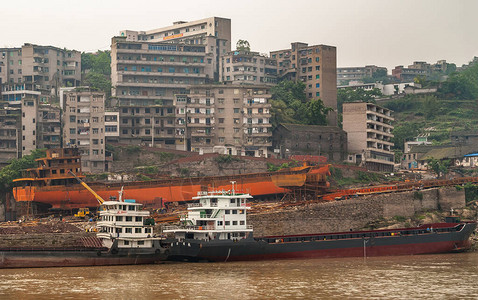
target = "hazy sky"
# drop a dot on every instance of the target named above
(381, 32)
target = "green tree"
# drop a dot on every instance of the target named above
(98, 81)
(403, 132)
(290, 105)
(13, 170)
(463, 85)
(99, 62)
(243, 45)
(439, 167)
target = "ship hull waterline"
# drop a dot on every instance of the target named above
(256, 249)
(44, 258)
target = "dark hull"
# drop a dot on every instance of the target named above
(36, 258)
(455, 237)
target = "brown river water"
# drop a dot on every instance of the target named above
(445, 276)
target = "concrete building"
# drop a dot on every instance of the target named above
(369, 131)
(357, 73)
(27, 125)
(10, 134)
(146, 76)
(214, 33)
(316, 66)
(84, 127)
(297, 139)
(247, 67)
(38, 68)
(226, 119)
(112, 126)
(385, 89)
(408, 74)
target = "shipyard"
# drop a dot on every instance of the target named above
(252, 150)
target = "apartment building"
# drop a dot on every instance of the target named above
(27, 125)
(146, 76)
(357, 73)
(369, 131)
(84, 126)
(408, 74)
(226, 119)
(247, 67)
(38, 68)
(112, 126)
(316, 66)
(214, 33)
(10, 134)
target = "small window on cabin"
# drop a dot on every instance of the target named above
(234, 211)
(241, 212)
(129, 219)
(131, 207)
(62, 171)
(227, 223)
(126, 242)
(119, 218)
(233, 200)
(139, 219)
(227, 211)
(140, 242)
(53, 171)
(243, 223)
(219, 223)
(234, 222)
(137, 230)
(129, 230)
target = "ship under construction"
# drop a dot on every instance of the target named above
(54, 184)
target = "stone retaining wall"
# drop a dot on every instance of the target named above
(354, 213)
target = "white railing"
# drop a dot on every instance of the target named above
(209, 227)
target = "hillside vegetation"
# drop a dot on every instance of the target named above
(453, 108)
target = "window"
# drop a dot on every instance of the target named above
(236, 110)
(137, 230)
(128, 230)
(221, 120)
(126, 243)
(317, 59)
(129, 219)
(72, 130)
(317, 76)
(317, 85)
(227, 223)
(227, 211)
(234, 222)
(139, 219)
(95, 130)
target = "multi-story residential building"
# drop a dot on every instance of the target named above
(316, 66)
(10, 133)
(408, 74)
(146, 76)
(357, 73)
(49, 126)
(27, 125)
(227, 119)
(214, 33)
(248, 68)
(298, 139)
(369, 131)
(112, 126)
(84, 126)
(39, 68)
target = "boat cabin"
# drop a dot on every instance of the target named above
(127, 223)
(216, 216)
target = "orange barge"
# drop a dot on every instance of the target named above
(51, 184)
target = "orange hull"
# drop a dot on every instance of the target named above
(154, 193)
(68, 197)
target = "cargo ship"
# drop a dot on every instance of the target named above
(52, 184)
(216, 229)
(125, 237)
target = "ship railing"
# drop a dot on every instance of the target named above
(200, 205)
(208, 227)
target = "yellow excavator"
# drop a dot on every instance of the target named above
(84, 212)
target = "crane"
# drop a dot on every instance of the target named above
(98, 197)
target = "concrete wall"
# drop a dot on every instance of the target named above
(355, 213)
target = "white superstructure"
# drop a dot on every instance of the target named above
(218, 215)
(125, 223)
